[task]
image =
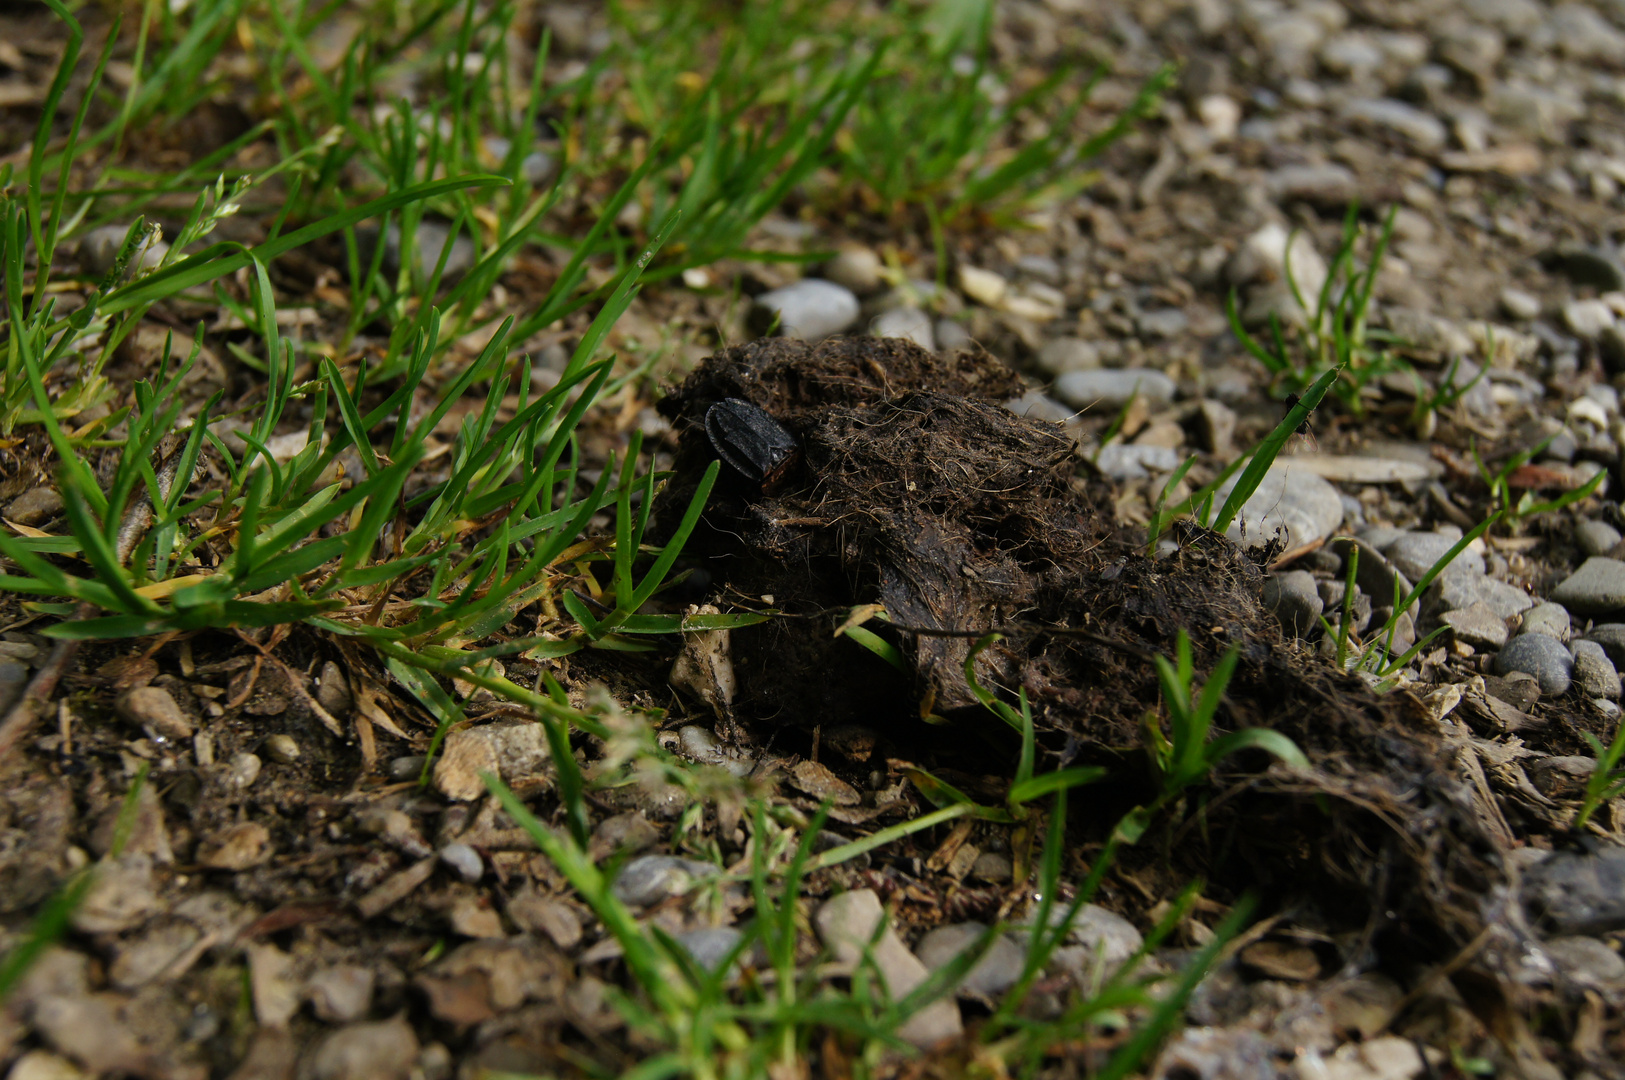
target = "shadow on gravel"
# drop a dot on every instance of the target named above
(918, 490)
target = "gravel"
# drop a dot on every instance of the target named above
(1597, 588)
(1543, 657)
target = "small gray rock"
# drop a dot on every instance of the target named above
(1423, 130)
(464, 860)
(1611, 636)
(153, 709)
(952, 336)
(1587, 319)
(1452, 591)
(1477, 625)
(905, 322)
(1519, 304)
(282, 748)
(1577, 892)
(1596, 537)
(1162, 323)
(1064, 354)
(34, 506)
(1415, 553)
(1587, 962)
(847, 924)
(1597, 588)
(649, 879)
(858, 269)
(342, 993)
(811, 309)
(1294, 599)
(992, 866)
(1100, 941)
(1112, 388)
(1538, 655)
(1594, 673)
(1549, 619)
(13, 682)
(1129, 462)
(710, 945)
(1216, 427)
(385, 1050)
(333, 690)
(1563, 777)
(1297, 501)
(1586, 266)
(994, 973)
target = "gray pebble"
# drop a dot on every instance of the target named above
(1611, 636)
(856, 268)
(1594, 673)
(1036, 405)
(1216, 427)
(1112, 388)
(34, 506)
(1297, 501)
(810, 309)
(1162, 323)
(1586, 266)
(1549, 619)
(406, 768)
(1100, 941)
(1064, 354)
(1477, 625)
(952, 336)
(13, 681)
(333, 690)
(847, 923)
(994, 973)
(1597, 588)
(1587, 319)
(154, 710)
(464, 860)
(1452, 591)
(1040, 268)
(1538, 655)
(992, 866)
(1415, 553)
(430, 240)
(1596, 537)
(1293, 598)
(905, 322)
(1587, 962)
(648, 879)
(1575, 892)
(385, 1050)
(1128, 462)
(710, 945)
(1424, 130)
(1380, 536)
(243, 770)
(342, 993)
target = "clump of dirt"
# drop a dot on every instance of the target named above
(918, 490)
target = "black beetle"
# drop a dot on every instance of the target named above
(751, 442)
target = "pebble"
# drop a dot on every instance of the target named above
(282, 749)
(1611, 636)
(816, 780)
(1135, 462)
(1538, 655)
(513, 750)
(121, 897)
(1477, 625)
(905, 322)
(533, 912)
(34, 506)
(1359, 469)
(464, 860)
(992, 866)
(1452, 591)
(1562, 777)
(333, 690)
(857, 269)
(1295, 500)
(847, 924)
(1597, 588)
(152, 709)
(983, 286)
(811, 309)
(99, 248)
(88, 1029)
(1162, 323)
(342, 993)
(242, 771)
(1327, 183)
(1587, 319)
(1099, 943)
(1594, 674)
(1036, 405)
(1216, 427)
(649, 879)
(701, 745)
(1415, 553)
(41, 1065)
(1262, 261)
(994, 973)
(430, 240)
(1295, 600)
(1424, 130)
(149, 954)
(1586, 266)
(1519, 304)
(385, 1050)
(236, 848)
(1587, 962)
(1063, 354)
(1547, 618)
(1577, 892)
(409, 767)
(952, 336)
(1596, 537)
(1112, 388)
(1220, 115)
(710, 945)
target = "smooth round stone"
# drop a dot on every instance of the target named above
(1538, 655)
(1452, 591)
(905, 322)
(1611, 636)
(1163, 323)
(994, 973)
(1380, 536)
(1295, 501)
(1423, 129)
(1113, 387)
(1597, 588)
(464, 860)
(1596, 537)
(1036, 405)
(858, 269)
(1549, 619)
(1064, 354)
(1593, 672)
(710, 945)
(1295, 600)
(649, 879)
(1587, 318)
(1588, 961)
(1125, 462)
(810, 309)
(1519, 304)
(1414, 554)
